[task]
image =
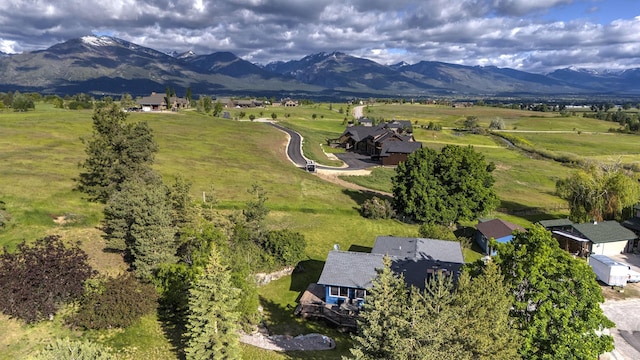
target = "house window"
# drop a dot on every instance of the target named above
(360, 293)
(339, 291)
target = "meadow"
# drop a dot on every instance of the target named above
(40, 150)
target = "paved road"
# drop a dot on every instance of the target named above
(626, 334)
(294, 152)
(294, 146)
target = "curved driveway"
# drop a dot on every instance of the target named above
(294, 153)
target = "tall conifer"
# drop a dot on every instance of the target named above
(212, 320)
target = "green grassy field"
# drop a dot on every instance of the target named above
(40, 150)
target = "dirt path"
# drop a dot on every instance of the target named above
(357, 111)
(333, 177)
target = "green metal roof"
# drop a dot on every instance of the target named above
(605, 232)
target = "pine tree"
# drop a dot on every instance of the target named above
(212, 321)
(433, 318)
(485, 329)
(116, 152)
(382, 322)
(138, 220)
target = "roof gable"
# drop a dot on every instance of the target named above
(350, 269)
(153, 99)
(497, 228)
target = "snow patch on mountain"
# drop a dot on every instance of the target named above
(98, 41)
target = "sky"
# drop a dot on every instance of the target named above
(531, 35)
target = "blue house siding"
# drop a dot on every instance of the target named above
(351, 294)
(484, 243)
(498, 229)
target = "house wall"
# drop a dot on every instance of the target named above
(394, 159)
(337, 300)
(611, 248)
(484, 242)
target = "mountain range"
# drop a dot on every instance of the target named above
(108, 65)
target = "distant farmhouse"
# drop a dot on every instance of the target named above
(389, 142)
(342, 287)
(286, 102)
(229, 103)
(157, 102)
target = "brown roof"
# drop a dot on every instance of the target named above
(497, 228)
(153, 99)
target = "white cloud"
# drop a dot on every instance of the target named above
(472, 32)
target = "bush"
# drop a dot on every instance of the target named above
(37, 279)
(436, 231)
(287, 247)
(497, 124)
(376, 208)
(4, 215)
(115, 302)
(65, 349)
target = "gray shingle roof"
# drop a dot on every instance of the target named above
(350, 269)
(414, 258)
(419, 248)
(399, 147)
(604, 232)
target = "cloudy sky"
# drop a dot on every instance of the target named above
(531, 35)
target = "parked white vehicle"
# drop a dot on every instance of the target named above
(634, 276)
(609, 271)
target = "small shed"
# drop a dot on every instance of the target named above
(497, 229)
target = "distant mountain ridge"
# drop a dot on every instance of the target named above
(103, 64)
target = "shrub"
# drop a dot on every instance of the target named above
(115, 302)
(286, 246)
(497, 124)
(4, 215)
(376, 208)
(37, 279)
(436, 231)
(65, 349)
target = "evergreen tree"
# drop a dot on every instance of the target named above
(382, 322)
(138, 220)
(433, 318)
(485, 329)
(212, 322)
(557, 299)
(116, 152)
